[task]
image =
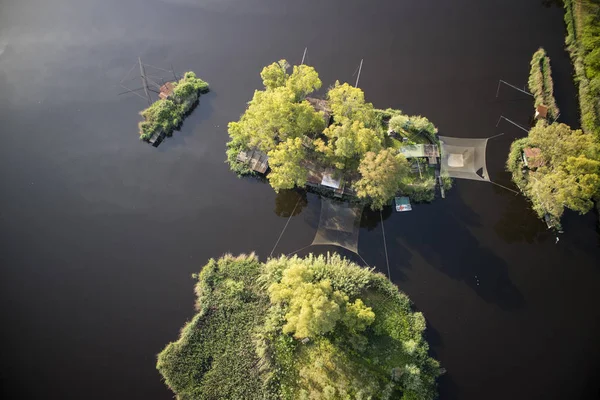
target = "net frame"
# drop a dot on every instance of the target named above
(473, 157)
(339, 225)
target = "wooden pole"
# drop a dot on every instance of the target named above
(304, 55)
(359, 70)
(143, 73)
(514, 123)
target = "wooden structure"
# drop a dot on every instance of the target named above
(429, 151)
(255, 159)
(322, 106)
(403, 204)
(532, 157)
(166, 90)
(541, 112)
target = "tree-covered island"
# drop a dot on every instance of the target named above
(341, 145)
(299, 328)
(176, 100)
(555, 166)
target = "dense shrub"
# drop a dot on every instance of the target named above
(540, 83)
(368, 344)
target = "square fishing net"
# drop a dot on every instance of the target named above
(339, 225)
(464, 158)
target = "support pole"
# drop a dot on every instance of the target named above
(304, 55)
(512, 122)
(359, 69)
(512, 86)
(143, 74)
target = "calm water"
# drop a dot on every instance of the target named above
(100, 233)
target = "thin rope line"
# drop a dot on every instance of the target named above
(495, 136)
(385, 246)
(294, 252)
(363, 260)
(504, 187)
(286, 224)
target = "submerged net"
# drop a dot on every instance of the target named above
(339, 225)
(464, 158)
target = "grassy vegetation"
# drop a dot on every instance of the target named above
(293, 328)
(582, 18)
(165, 115)
(540, 83)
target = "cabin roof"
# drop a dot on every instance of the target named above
(256, 160)
(532, 156)
(166, 90)
(321, 105)
(541, 111)
(330, 181)
(419, 150)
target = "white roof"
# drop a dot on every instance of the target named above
(329, 181)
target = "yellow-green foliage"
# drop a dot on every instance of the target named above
(582, 18)
(248, 340)
(165, 115)
(540, 82)
(569, 176)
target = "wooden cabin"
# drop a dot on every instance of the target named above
(321, 105)
(532, 157)
(166, 90)
(541, 112)
(255, 159)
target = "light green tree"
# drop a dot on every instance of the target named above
(381, 176)
(286, 165)
(348, 102)
(314, 308)
(303, 81)
(275, 75)
(358, 316)
(347, 142)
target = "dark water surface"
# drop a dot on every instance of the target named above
(100, 232)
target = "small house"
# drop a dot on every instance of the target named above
(532, 157)
(255, 159)
(541, 112)
(322, 106)
(429, 151)
(166, 90)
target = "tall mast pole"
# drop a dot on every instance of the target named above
(304, 56)
(144, 81)
(359, 69)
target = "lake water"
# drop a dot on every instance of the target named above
(100, 232)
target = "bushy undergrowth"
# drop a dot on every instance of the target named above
(582, 18)
(165, 115)
(294, 328)
(540, 83)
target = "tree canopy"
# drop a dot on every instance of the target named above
(299, 135)
(299, 328)
(569, 171)
(381, 176)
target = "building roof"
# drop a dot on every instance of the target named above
(166, 90)
(256, 160)
(532, 157)
(321, 105)
(419, 150)
(330, 181)
(403, 204)
(541, 111)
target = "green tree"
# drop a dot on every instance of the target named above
(348, 141)
(275, 75)
(286, 165)
(303, 81)
(381, 176)
(348, 102)
(313, 307)
(557, 142)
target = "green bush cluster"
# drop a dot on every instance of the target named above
(582, 18)
(540, 83)
(299, 328)
(165, 115)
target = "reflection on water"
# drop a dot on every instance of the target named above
(289, 203)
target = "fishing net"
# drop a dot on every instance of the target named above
(339, 225)
(464, 158)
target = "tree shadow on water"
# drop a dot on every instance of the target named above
(289, 203)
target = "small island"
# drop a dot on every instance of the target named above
(299, 328)
(340, 146)
(555, 166)
(176, 101)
